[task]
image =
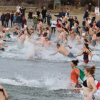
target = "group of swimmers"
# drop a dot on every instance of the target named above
(65, 32)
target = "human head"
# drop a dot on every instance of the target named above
(22, 32)
(45, 34)
(58, 45)
(89, 71)
(44, 8)
(86, 46)
(47, 39)
(74, 63)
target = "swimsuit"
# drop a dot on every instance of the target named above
(71, 55)
(1, 90)
(50, 37)
(85, 57)
(90, 38)
(8, 35)
(39, 35)
(93, 43)
(38, 55)
(75, 29)
(65, 44)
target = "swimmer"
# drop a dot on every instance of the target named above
(1, 47)
(89, 84)
(94, 39)
(77, 39)
(21, 38)
(8, 34)
(42, 39)
(85, 54)
(47, 43)
(64, 51)
(74, 76)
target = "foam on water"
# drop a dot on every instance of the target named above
(49, 81)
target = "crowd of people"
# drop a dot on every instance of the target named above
(66, 28)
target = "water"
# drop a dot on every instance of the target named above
(34, 79)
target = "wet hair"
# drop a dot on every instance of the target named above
(47, 38)
(47, 28)
(90, 69)
(58, 44)
(22, 31)
(86, 46)
(78, 86)
(85, 40)
(66, 29)
(75, 62)
(45, 34)
(65, 21)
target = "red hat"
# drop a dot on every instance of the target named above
(23, 16)
(67, 8)
(50, 11)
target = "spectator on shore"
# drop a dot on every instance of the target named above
(61, 13)
(22, 9)
(35, 20)
(53, 26)
(89, 7)
(48, 18)
(15, 19)
(19, 20)
(30, 16)
(79, 5)
(23, 21)
(44, 11)
(67, 12)
(3, 18)
(12, 16)
(7, 18)
(18, 9)
(86, 14)
(38, 12)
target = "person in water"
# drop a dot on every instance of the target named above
(8, 34)
(1, 47)
(85, 54)
(64, 51)
(89, 84)
(74, 76)
(3, 94)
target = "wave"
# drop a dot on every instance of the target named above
(49, 81)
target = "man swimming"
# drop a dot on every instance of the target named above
(64, 51)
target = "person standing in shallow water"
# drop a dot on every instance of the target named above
(89, 84)
(3, 94)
